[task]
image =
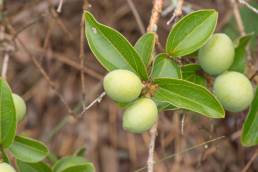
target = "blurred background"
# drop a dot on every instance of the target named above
(45, 66)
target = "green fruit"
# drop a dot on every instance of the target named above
(20, 107)
(4, 167)
(217, 55)
(140, 116)
(234, 91)
(122, 85)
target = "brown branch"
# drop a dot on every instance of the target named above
(250, 161)
(59, 8)
(5, 65)
(238, 18)
(155, 14)
(248, 6)
(136, 16)
(82, 55)
(177, 12)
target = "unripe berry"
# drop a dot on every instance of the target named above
(20, 107)
(234, 91)
(140, 116)
(4, 167)
(122, 85)
(217, 55)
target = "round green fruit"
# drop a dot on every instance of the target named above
(217, 55)
(122, 85)
(140, 116)
(20, 107)
(234, 91)
(4, 167)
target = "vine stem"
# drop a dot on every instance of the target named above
(155, 14)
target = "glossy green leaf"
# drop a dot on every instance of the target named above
(249, 135)
(239, 63)
(145, 46)
(33, 167)
(111, 48)
(7, 115)
(72, 164)
(191, 32)
(165, 68)
(163, 105)
(87, 167)
(190, 73)
(28, 150)
(189, 96)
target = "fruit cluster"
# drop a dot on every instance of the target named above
(233, 89)
(124, 86)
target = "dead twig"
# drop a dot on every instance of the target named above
(238, 18)
(155, 14)
(247, 166)
(136, 16)
(97, 100)
(5, 65)
(184, 151)
(177, 12)
(59, 8)
(248, 6)
(82, 55)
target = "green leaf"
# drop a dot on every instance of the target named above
(72, 164)
(189, 96)
(165, 68)
(239, 63)
(7, 115)
(4, 155)
(249, 135)
(111, 48)
(163, 105)
(33, 167)
(80, 152)
(190, 73)
(191, 32)
(28, 150)
(145, 46)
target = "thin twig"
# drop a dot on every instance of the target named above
(5, 65)
(177, 12)
(248, 6)
(97, 100)
(59, 8)
(82, 55)
(238, 18)
(247, 166)
(184, 151)
(150, 161)
(155, 14)
(136, 16)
